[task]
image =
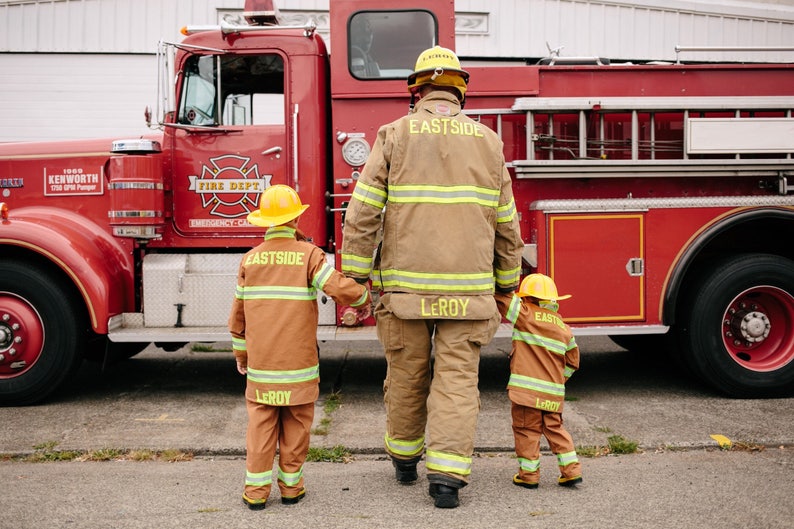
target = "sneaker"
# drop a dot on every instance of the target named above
(254, 505)
(445, 497)
(521, 483)
(569, 482)
(292, 500)
(404, 471)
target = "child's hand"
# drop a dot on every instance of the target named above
(242, 369)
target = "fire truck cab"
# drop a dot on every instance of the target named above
(657, 194)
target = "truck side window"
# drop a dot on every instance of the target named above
(251, 90)
(252, 87)
(198, 98)
(385, 44)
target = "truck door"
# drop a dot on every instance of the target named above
(230, 141)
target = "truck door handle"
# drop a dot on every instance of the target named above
(636, 266)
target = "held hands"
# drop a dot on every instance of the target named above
(242, 368)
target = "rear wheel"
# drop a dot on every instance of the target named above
(42, 333)
(738, 330)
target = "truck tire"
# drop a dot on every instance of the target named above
(738, 327)
(42, 332)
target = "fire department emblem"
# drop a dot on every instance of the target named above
(229, 186)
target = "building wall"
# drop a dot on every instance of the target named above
(87, 68)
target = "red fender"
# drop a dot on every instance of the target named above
(99, 265)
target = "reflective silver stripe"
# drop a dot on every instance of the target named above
(543, 386)
(280, 232)
(258, 479)
(238, 344)
(276, 292)
(290, 479)
(284, 377)
(529, 465)
(567, 458)
(369, 195)
(321, 278)
(553, 346)
(478, 282)
(508, 277)
(404, 448)
(451, 463)
(506, 213)
(433, 194)
(514, 309)
(356, 263)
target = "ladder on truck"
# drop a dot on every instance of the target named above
(750, 136)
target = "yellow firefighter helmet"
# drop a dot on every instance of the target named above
(278, 205)
(541, 287)
(441, 67)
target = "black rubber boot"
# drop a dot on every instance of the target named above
(444, 496)
(405, 470)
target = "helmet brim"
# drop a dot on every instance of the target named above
(257, 219)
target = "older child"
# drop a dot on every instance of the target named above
(544, 355)
(273, 324)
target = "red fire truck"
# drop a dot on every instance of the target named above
(657, 194)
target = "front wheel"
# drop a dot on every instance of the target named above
(42, 333)
(738, 330)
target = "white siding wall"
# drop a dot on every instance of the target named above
(648, 29)
(86, 68)
(51, 97)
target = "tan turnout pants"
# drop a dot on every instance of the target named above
(287, 428)
(446, 403)
(528, 425)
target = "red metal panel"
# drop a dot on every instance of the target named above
(588, 255)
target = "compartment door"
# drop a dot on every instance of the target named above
(599, 259)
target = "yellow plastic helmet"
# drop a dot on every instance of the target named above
(278, 205)
(541, 287)
(441, 67)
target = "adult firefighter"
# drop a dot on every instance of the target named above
(437, 186)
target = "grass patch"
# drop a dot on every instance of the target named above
(332, 403)
(337, 454)
(46, 452)
(200, 347)
(616, 444)
(620, 445)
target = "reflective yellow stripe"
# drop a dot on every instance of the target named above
(284, 377)
(258, 479)
(477, 282)
(445, 462)
(276, 292)
(506, 213)
(567, 458)
(536, 384)
(321, 278)
(356, 263)
(290, 479)
(404, 448)
(514, 310)
(279, 232)
(369, 195)
(420, 193)
(508, 277)
(238, 344)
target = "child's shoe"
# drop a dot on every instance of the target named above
(254, 505)
(521, 483)
(569, 482)
(291, 500)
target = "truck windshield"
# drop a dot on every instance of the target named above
(251, 90)
(385, 44)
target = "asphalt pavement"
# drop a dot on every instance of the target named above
(191, 401)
